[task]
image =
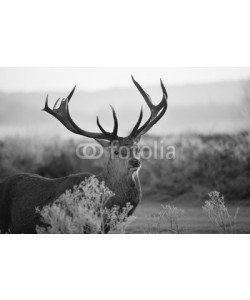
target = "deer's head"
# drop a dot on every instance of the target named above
(123, 152)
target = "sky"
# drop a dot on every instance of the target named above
(93, 79)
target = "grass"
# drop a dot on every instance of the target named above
(193, 220)
(169, 217)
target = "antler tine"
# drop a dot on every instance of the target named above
(152, 121)
(143, 93)
(59, 113)
(144, 126)
(157, 111)
(134, 130)
(46, 103)
(71, 93)
(164, 97)
(163, 89)
(56, 103)
(115, 129)
(100, 127)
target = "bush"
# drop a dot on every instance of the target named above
(218, 214)
(203, 163)
(51, 158)
(169, 216)
(82, 210)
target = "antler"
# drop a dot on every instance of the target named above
(62, 114)
(157, 111)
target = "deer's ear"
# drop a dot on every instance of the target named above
(103, 143)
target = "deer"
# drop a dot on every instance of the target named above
(21, 194)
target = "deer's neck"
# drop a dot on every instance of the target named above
(125, 186)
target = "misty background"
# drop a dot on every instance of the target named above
(207, 122)
(207, 100)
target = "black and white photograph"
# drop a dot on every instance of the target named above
(124, 149)
(96, 150)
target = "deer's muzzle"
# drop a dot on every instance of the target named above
(134, 163)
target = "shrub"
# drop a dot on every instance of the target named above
(51, 158)
(218, 214)
(82, 210)
(170, 216)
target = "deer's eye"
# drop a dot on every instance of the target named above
(116, 152)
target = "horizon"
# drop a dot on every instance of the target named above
(202, 107)
(28, 80)
(114, 88)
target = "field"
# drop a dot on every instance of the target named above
(202, 163)
(193, 220)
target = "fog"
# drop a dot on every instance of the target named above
(94, 79)
(207, 100)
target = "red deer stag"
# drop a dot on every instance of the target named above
(20, 194)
